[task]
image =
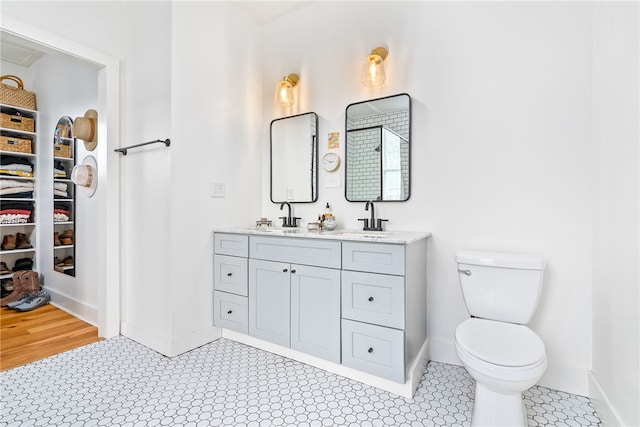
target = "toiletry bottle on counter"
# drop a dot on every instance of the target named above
(329, 221)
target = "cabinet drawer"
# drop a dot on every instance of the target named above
(231, 312)
(373, 298)
(373, 349)
(373, 257)
(231, 244)
(230, 274)
(296, 251)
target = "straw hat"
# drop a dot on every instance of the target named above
(85, 176)
(86, 129)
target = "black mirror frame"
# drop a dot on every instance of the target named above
(346, 130)
(314, 161)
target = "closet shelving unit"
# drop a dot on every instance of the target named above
(29, 229)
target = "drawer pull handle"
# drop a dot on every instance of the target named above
(230, 311)
(229, 274)
(465, 272)
(284, 270)
(370, 299)
(293, 271)
(370, 350)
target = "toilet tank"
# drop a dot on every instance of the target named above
(500, 286)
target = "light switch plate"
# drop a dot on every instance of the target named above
(217, 189)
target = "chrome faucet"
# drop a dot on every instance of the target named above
(288, 221)
(370, 224)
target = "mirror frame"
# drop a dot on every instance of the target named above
(346, 154)
(72, 199)
(314, 160)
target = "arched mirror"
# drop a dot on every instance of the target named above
(294, 159)
(378, 149)
(64, 191)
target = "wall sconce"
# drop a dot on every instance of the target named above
(284, 90)
(373, 68)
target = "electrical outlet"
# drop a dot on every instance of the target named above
(217, 189)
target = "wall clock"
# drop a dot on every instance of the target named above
(330, 162)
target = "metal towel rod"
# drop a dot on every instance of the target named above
(123, 150)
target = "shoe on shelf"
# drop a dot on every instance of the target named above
(8, 242)
(7, 287)
(3, 268)
(68, 261)
(37, 300)
(67, 237)
(23, 264)
(22, 242)
(56, 239)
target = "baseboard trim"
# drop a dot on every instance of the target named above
(150, 339)
(407, 389)
(82, 311)
(166, 345)
(605, 409)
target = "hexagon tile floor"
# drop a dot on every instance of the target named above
(119, 382)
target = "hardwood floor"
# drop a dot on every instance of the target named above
(43, 332)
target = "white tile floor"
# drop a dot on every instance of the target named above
(118, 382)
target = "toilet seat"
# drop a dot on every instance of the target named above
(506, 345)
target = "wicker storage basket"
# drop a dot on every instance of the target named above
(17, 122)
(61, 150)
(17, 145)
(16, 95)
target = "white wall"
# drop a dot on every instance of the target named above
(215, 104)
(502, 155)
(616, 293)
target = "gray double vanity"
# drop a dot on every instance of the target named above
(352, 302)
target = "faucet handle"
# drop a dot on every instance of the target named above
(294, 221)
(284, 220)
(366, 223)
(379, 224)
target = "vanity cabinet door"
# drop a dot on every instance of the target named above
(315, 311)
(269, 301)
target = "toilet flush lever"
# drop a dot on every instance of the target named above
(465, 272)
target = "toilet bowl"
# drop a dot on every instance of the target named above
(500, 353)
(504, 359)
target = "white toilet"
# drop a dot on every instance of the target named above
(504, 356)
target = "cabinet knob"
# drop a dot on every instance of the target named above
(293, 271)
(284, 270)
(229, 274)
(230, 311)
(370, 299)
(370, 350)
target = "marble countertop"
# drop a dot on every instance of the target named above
(396, 237)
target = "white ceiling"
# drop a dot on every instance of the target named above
(17, 53)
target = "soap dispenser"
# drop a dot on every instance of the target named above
(329, 221)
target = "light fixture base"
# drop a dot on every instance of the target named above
(293, 79)
(381, 52)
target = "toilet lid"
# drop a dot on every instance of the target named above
(500, 343)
